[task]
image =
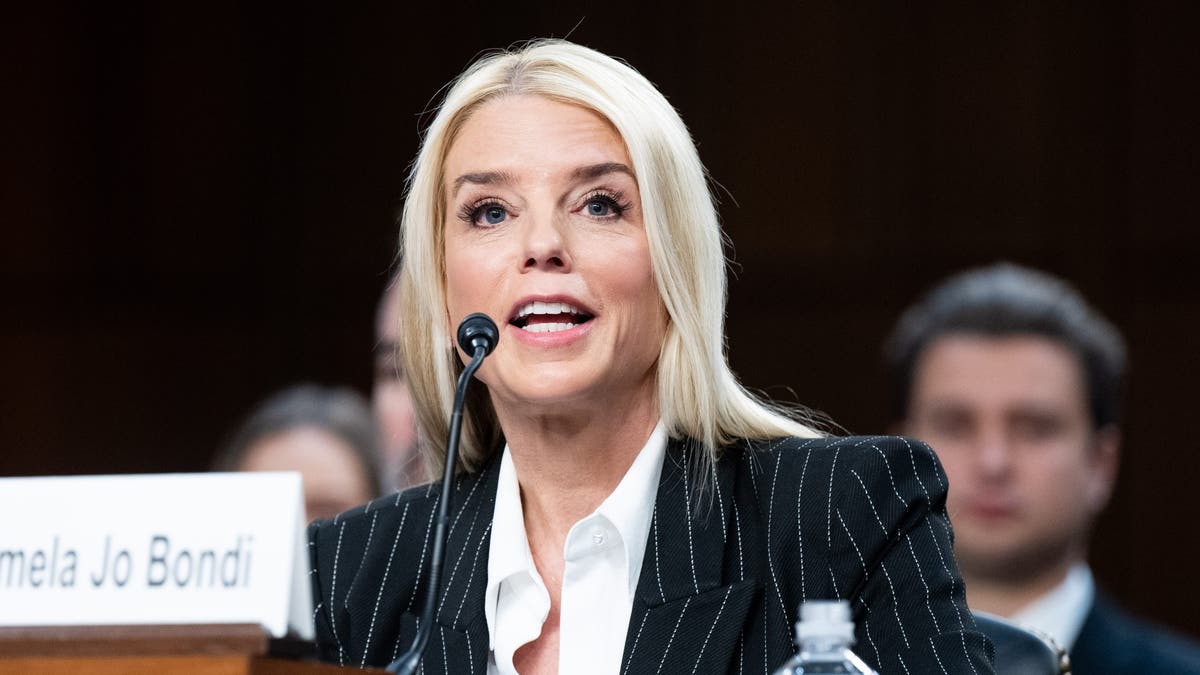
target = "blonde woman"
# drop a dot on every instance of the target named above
(622, 504)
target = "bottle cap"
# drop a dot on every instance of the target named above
(825, 619)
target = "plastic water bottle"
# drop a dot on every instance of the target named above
(824, 635)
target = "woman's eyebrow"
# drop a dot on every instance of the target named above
(593, 171)
(589, 172)
(484, 178)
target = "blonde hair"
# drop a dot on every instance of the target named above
(699, 397)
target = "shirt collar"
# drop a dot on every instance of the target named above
(629, 508)
(1061, 612)
(508, 552)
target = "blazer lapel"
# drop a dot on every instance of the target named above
(459, 640)
(685, 617)
(461, 633)
(450, 650)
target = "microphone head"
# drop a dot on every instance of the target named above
(478, 330)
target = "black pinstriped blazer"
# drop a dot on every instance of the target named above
(861, 518)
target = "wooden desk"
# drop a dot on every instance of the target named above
(236, 649)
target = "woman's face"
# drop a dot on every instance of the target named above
(543, 232)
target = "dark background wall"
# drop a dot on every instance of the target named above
(197, 205)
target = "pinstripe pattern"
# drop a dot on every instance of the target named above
(719, 588)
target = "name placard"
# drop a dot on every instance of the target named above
(155, 549)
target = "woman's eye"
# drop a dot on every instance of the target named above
(598, 208)
(489, 214)
(602, 206)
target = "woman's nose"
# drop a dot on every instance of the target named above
(545, 244)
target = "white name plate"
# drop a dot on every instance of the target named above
(155, 549)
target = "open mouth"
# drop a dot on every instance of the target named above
(549, 317)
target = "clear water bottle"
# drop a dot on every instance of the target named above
(824, 635)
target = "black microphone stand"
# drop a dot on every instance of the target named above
(477, 334)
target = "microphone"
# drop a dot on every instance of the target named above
(477, 336)
(478, 330)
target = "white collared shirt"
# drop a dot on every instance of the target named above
(1061, 612)
(603, 560)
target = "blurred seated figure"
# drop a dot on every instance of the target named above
(391, 400)
(1021, 651)
(1015, 382)
(326, 434)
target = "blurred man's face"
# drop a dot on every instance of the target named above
(1009, 419)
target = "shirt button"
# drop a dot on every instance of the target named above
(598, 538)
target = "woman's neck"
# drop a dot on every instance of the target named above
(570, 459)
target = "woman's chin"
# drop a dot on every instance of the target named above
(552, 388)
(535, 394)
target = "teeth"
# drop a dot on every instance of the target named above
(547, 327)
(546, 308)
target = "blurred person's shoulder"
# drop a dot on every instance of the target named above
(1115, 641)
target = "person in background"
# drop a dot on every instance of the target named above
(391, 400)
(326, 434)
(1016, 384)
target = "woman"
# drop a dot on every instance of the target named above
(623, 505)
(325, 433)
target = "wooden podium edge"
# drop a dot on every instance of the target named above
(173, 649)
(157, 640)
(233, 664)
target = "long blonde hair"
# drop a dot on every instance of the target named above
(699, 397)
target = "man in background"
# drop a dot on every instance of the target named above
(391, 400)
(1016, 384)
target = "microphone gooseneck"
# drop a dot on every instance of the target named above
(477, 335)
